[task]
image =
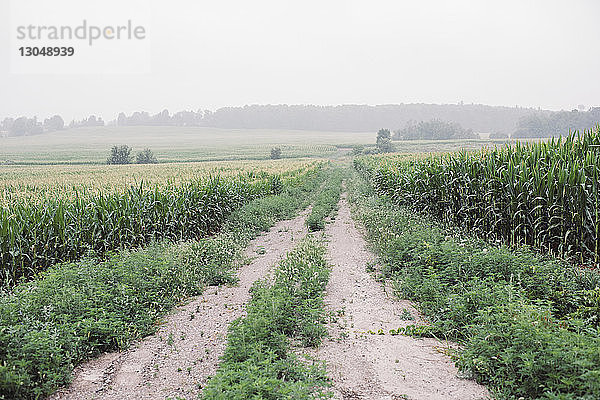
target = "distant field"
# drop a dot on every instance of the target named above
(92, 145)
(36, 182)
(444, 146)
(181, 144)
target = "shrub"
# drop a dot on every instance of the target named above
(146, 157)
(384, 141)
(120, 155)
(276, 153)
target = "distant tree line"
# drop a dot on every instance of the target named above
(31, 126)
(90, 121)
(500, 121)
(361, 118)
(557, 123)
(434, 129)
(163, 118)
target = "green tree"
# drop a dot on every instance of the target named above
(146, 157)
(120, 155)
(275, 153)
(56, 123)
(384, 141)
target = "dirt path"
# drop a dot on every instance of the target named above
(367, 366)
(178, 359)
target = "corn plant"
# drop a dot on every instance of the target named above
(543, 194)
(36, 235)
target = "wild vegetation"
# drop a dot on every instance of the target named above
(276, 153)
(383, 143)
(258, 361)
(76, 310)
(146, 156)
(543, 194)
(326, 201)
(120, 155)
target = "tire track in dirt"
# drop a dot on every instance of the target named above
(178, 360)
(367, 366)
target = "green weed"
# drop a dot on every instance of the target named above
(258, 362)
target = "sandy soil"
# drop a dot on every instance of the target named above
(371, 366)
(178, 359)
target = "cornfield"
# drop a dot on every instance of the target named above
(35, 235)
(542, 194)
(38, 183)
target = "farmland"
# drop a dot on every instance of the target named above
(104, 303)
(42, 182)
(172, 144)
(494, 249)
(500, 250)
(180, 144)
(541, 194)
(64, 227)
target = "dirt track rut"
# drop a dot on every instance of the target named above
(372, 366)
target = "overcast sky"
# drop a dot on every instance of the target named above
(210, 54)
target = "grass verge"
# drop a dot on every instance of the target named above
(75, 311)
(527, 325)
(258, 362)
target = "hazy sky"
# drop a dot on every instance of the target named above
(209, 54)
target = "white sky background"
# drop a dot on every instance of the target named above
(209, 54)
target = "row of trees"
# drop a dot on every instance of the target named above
(122, 155)
(559, 123)
(351, 118)
(163, 118)
(434, 129)
(363, 118)
(31, 126)
(92, 120)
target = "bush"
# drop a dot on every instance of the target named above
(524, 352)
(75, 311)
(120, 155)
(146, 157)
(384, 141)
(276, 153)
